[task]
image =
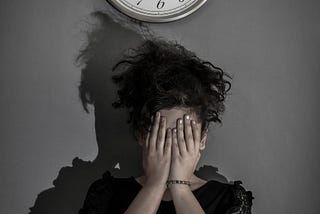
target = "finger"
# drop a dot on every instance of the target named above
(181, 141)
(167, 145)
(154, 132)
(188, 134)
(146, 139)
(196, 131)
(161, 134)
(175, 147)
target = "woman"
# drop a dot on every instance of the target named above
(172, 96)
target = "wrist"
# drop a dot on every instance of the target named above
(178, 188)
(178, 184)
(156, 185)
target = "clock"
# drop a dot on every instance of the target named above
(157, 10)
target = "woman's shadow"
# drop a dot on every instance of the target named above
(117, 150)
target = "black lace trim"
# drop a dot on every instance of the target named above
(243, 199)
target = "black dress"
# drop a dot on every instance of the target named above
(114, 195)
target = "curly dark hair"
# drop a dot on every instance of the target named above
(161, 74)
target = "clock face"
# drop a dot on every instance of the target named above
(157, 10)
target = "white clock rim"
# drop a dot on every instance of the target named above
(168, 18)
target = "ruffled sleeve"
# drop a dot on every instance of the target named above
(98, 197)
(242, 200)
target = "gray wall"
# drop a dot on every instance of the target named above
(269, 138)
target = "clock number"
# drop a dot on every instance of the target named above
(141, 1)
(160, 4)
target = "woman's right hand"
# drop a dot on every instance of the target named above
(157, 152)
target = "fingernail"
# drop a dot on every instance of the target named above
(180, 121)
(158, 114)
(187, 117)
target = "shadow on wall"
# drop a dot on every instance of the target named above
(105, 44)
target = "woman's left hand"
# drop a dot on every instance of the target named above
(185, 149)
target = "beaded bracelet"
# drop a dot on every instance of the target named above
(178, 182)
